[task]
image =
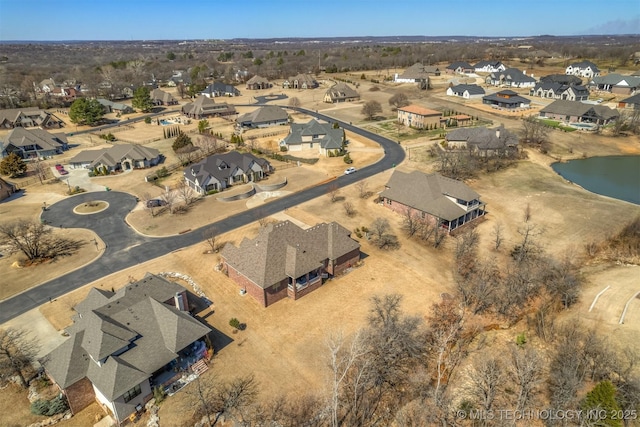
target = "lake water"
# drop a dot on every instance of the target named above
(613, 176)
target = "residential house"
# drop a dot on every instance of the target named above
(314, 135)
(179, 77)
(631, 102)
(444, 202)
(583, 69)
(466, 91)
(269, 115)
(30, 143)
(65, 93)
(160, 97)
(301, 81)
(417, 73)
(489, 67)
(579, 112)
(28, 117)
(220, 171)
(47, 85)
(511, 77)
(6, 189)
(341, 92)
(257, 83)
(616, 83)
(117, 157)
(459, 67)
(419, 117)
(220, 89)
(483, 142)
(506, 99)
(562, 79)
(204, 106)
(115, 107)
(556, 90)
(285, 260)
(123, 344)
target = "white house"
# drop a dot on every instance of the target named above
(583, 69)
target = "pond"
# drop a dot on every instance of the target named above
(613, 176)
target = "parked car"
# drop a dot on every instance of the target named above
(350, 170)
(59, 167)
(63, 172)
(154, 203)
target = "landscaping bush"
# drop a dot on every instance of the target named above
(40, 407)
(57, 405)
(147, 120)
(234, 323)
(159, 394)
(347, 159)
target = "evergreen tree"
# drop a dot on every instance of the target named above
(12, 165)
(142, 99)
(86, 111)
(603, 399)
(181, 141)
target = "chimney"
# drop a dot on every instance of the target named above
(179, 301)
(498, 133)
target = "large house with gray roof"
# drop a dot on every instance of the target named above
(583, 69)
(341, 92)
(30, 143)
(466, 91)
(160, 97)
(269, 115)
(217, 89)
(28, 117)
(301, 81)
(632, 102)
(443, 202)
(285, 260)
(314, 136)
(506, 99)
(220, 171)
(257, 83)
(459, 67)
(417, 73)
(123, 344)
(117, 157)
(483, 142)
(579, 112)
(204, 107)
(556, 90)
(489, 67)
(616, 83)
(511, 77)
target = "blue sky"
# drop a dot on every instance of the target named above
(224, 19)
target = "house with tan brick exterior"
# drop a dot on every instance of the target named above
(286, 261)
(123, 344)
(443, 201)
(419, 117)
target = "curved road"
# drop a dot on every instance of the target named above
(126, 248)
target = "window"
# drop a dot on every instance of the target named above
(132, 393)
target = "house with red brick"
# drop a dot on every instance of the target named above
(419, 117)
(432, 197)
(123, 344)
(285, 260)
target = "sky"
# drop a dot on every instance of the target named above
(226, 19)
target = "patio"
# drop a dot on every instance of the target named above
(190, 362)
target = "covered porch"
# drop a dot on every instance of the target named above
(191, 360)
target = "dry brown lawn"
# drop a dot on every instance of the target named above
(14, 407)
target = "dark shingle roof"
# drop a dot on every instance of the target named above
(483, 138)
(221, 166)
(428, 193)
(577, 108)
(324, 133)
(472, 89)
(266, 114)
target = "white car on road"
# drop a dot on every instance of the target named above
(350, 171)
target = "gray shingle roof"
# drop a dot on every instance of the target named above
(266, 114)
(483, 138)
(460, 64)
(221, 167)
(635, 99)
(321, 133)
(285, 250)
(342, 91)
(132, 334)
(576, 108)
(585, 64)
(562, 78)
(115, 154)
(510, 98)
(162, 96)
(428, 193)
(615, 79)
(472, 89)
(21, 137)
(207, 106)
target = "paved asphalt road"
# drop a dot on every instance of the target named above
(126, 248)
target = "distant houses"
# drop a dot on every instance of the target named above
(258, 83)
(269, 115)
(33, 143)
(314, 135)
(204, 107)
(459, 67)
(341, 92)
(560, 91)
(301, 81)
(489, 67)
(115, 107)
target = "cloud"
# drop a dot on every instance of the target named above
(619, 26)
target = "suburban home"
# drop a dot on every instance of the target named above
(46, 85)
(489, 67)
(220, 89)
(418, 117)
(28, 117)
(616, 83)
(115, 107)
(285, 260)
(562, 79)
(341, 92)
(583, 69)
(483, 142)
(178, 77)
(511, 77)
(117, 157)
(560, 91)
(30, 143)
(444, 202)
(160, 97)
(204, 106)
(123, 344)
(459, 67)
(506, 99)
(417, 73)
(65, 93)
(301, 81)
(6, 189)
(220, 171)
(257, 83)
(579, 112)
(631, 102)
(269, 115)
(466, 91)
(304, 136)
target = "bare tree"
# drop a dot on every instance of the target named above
(211, 239)
(209, 144)
(382, 238)
(17, 354)
(294, 102)
(334, 191)
(363, 190)
(146, 199)
(399, 100)
(36, 240)
(349, 209)
(528, 247)
(371, 109)
(187, 154)
(186, 193)
(379, 227)
(534, 132)
(525, 372)
(40, 168)
(169, 198)
(410, 221)
(497, 235)
(526, 215)
(485, 381)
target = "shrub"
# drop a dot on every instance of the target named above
(521, 339)
(57, 405)
(283, 148)
(210, 192)
(347, 159)
(234, 323)
(40, 407)
(374, 88)
(159, 394)
(147, 120)
(162, 172)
